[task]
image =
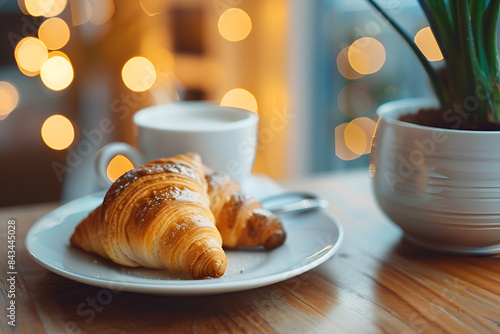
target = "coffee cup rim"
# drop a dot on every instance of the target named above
(249, 119)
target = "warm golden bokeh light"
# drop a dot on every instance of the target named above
(234, 24)
(59, 54)
(358, 135)
(118, 166)
(427, 43)
(101, 11)
(366, 55)
(30, 54)
(54, 33)
(57, 73)
(138, 74)
(341, 149)
(9, 97)
(58, 132)
(345, 68)
(239, 98)
(355, 138)
(38, 7)
(57, 8)
(354, 100)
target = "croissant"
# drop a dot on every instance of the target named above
(240, 218)
(157, 216)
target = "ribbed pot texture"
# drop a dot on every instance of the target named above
(441, 186)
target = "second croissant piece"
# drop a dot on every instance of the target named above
(240, 218)
(157, 216)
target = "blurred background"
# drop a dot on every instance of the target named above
(73, 72)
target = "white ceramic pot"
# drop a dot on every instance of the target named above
(442, 187)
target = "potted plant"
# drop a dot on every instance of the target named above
(436, 163)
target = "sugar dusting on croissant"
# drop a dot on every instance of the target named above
(175, 213)
(158, 216)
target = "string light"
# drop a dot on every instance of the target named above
(58, 132)
(57, 8)
(138, 74)
(239, 98)
(354, 100)
(54, 33)
(38, 7)
(30, 54)
(345, 68)
(427, 43)
(234, 24)
(9, 98)
(366, 55)
(57, 73)
(118, 166)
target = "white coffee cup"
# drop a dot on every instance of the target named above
(225, 138)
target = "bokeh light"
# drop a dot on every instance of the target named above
(427, 43)
(138, 74)
(118, 166)
(354, 100)
(358, 135)
(239, 98)
(234, 24)
(366, 55)
(38, 7)
(345, 68)
(59, 54)
(58, 132)
(355, 138)
(341, 149)
(30, 54)
(9, 98)
(54, 33)
(57, 8)
(57, 73)
(101, 11)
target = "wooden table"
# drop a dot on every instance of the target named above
(375, 284)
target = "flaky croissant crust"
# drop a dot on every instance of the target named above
(175, 213)
(158, 216)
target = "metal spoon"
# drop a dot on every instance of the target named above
(293, 202)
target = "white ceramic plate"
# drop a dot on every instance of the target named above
(312, 238)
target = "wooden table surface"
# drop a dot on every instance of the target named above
(374, 284)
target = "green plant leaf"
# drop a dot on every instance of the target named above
(437, 16)
(425, 63)
(489, 31)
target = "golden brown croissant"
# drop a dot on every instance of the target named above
(240, 218)
(157, 216)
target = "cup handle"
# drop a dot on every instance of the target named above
(107, 153)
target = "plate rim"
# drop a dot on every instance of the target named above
(200, 287)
